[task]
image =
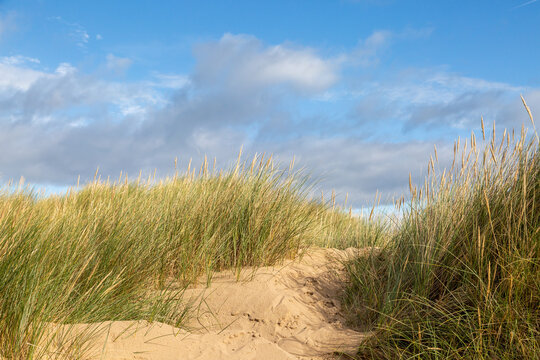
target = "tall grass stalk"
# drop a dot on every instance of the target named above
(461, 278)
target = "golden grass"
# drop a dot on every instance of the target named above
(461, 277)
(113, 251)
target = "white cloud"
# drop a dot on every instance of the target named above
(243, 61)
(301, 68)
(17, 78)
(63, 123)
(132, 109)
(65, 69)
(28, 95)
(18, 60)
(430, 99)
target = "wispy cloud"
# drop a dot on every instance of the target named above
(525, 4)
(434, 101)
(369, 50)
(18, 60)
(170, 81)
(75, 31)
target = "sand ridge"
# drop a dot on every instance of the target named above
(290, 311)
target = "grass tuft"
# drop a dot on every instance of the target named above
(460, 279)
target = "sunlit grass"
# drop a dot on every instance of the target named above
(458, 277)
(461, 277)
(112, 251)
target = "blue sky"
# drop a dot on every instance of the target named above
(358, 91)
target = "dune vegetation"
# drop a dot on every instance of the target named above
(457, 277)
(126, 250)
(460, 277)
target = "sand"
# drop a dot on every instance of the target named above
(291, 311)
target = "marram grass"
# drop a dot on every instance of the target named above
(114, 251)
(461, 277)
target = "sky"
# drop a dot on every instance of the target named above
(358, 92)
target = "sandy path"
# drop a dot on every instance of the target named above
(290, 311)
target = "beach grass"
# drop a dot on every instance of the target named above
(460, 278)
(125, 250)
(456, 277)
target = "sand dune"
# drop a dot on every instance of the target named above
(290, 311)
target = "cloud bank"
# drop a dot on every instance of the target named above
(353, 133)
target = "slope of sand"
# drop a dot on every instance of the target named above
(291, 311)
